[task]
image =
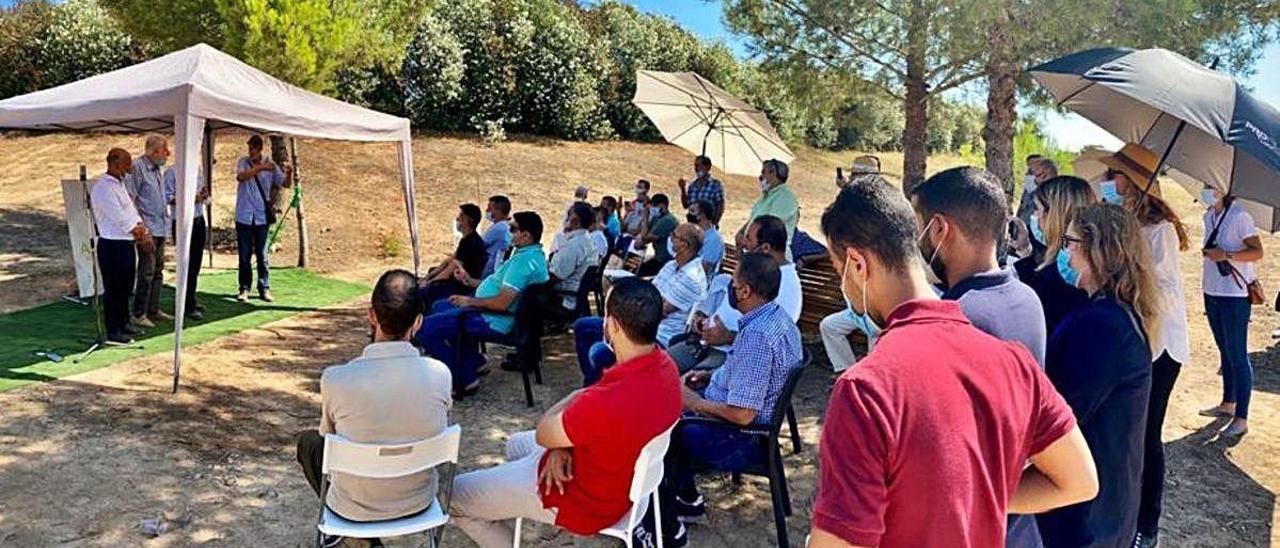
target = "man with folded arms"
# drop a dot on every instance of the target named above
(575, 470)
(120, 228)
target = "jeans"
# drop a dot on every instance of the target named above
(593, 355)
(195, 258)
(251, 240)
(150, 279)
(700, 446)
(1229, 321)
(117, 260)
(434, 292)
(1164, 373)
(439, 336)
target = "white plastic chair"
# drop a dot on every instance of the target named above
(644, 486)
(385, 461)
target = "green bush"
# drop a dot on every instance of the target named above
(22, 26)
(82, 40)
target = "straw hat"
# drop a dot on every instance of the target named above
(865, 165)
(1137, 163)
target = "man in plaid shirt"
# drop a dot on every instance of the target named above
(742, 392)
(703, 187)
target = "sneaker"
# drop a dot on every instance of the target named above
(1145, 541)
(642, 537)
(243, 296)
(690, 512)
(161, 316)
(142, 321)
(679, 539)
(330, 541)
(119, 338)
(265, 294)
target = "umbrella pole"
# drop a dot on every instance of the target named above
(1177, 132)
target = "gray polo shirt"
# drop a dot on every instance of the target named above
(1003, 307)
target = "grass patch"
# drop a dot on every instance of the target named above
(68, 328)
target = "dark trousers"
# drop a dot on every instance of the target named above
(311, 457)
(195, 258)
(451, 334)
(118, 262)
(150, 279)
(1164, 373)
(650, 267)
(699, 446)
(593, 355)
(251, 240)
(430, 294)
(1229, 321)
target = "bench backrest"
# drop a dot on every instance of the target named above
(818, 283)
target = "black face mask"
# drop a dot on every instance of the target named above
(733, 297)
(691, 218)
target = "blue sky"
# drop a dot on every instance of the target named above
(1070, 131)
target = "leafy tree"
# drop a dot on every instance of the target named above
(22, 27)
(82, 40)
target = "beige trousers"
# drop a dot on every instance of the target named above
(486, 502)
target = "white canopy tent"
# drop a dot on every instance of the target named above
(194, 92)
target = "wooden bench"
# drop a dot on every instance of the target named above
(821, 289)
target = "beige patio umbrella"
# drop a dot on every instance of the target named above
(696, 115)
(1088, 165)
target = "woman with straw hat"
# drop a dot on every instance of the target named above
(1129, 182)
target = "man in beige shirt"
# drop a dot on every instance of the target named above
(390, 394)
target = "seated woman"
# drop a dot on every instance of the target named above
(1099, 359)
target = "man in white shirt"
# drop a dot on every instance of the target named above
(390, 394)
(120, 228)
(569, 263)
(682, 283)
(714, 325)
(600, 240)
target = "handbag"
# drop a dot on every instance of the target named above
(1257, 294)
(267, 206)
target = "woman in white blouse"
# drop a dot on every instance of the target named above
(1166, 236)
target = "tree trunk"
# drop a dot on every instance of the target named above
(303, 240)
(1002, 106)
(915, 132)
(279, 155)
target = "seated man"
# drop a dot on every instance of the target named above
(571, 261)
(575, 470)
(835, 329)
(657, 232)
(712, 243)
(389, 394)
(600, 238)
(470, 256)
(497, 238)
(638, 212)
(682, 284)
(612, 226)
(742, 392)
(490, 311)
(715, 321)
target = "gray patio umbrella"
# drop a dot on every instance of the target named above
(1208, 129)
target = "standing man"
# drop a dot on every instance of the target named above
(145, 185)
(776, 199)
(938, 411)
(703, 188)
(199, 235)
(120, 228)
(256, 176)
(497, 238)
(1039, 170)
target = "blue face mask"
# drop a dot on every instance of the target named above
(1109, 193)
(1207, 197)
(862, 321)
(1036, 232)
(1069, 275)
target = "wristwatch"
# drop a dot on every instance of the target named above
(1229, 257)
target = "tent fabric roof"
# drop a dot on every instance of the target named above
(200, 81)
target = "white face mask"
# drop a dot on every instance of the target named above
(1029, 183)
(700, 173)
(488, 216)
(764, 184)
(457, 229)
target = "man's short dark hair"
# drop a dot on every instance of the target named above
(472, 213)
(644, 183)
(703, 161)
(779, 168)
(771, 230)
(707, 210)
(660, 200)
(970, 197)
(255, 141)
(1031, 157)
(530, 222)
(761, 273)
(872, 215)
(609, 202)
(585, 214)
(501, 203)
(637, 306)
(395, 302)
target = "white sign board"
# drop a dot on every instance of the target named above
(75, 197)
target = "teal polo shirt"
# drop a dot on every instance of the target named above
(527, 266)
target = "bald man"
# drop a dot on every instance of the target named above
(145, 184)
(121, 234)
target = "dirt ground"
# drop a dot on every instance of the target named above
(85, 459)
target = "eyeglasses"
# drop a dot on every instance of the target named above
(1067, 240)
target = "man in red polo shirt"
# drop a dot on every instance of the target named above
(926, 440)
(575, 470)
